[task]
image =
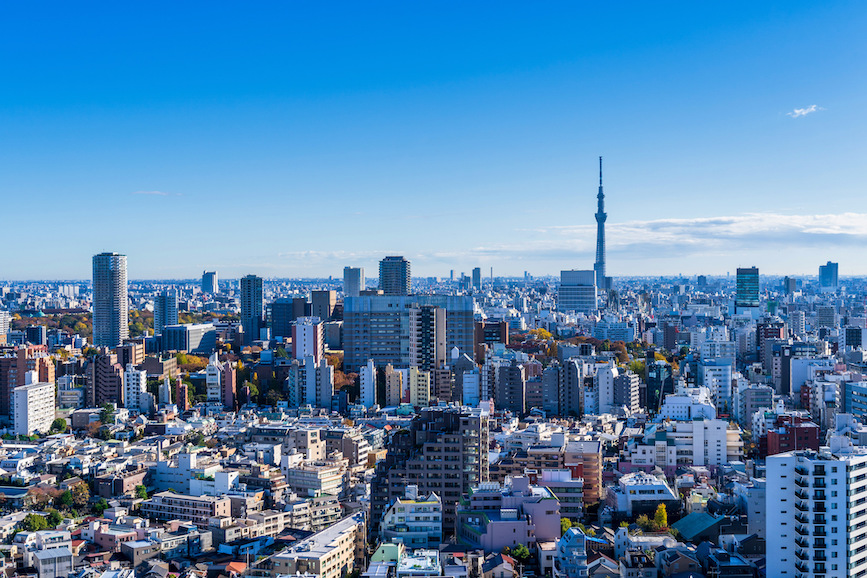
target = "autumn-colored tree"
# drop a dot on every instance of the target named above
(80, 495)
(661, 516)
(93, 429)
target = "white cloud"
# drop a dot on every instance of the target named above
(785, 241)
(804, 111)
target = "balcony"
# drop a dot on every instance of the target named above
(820, 532)
(819, 508)
(802, 519)
(802, 471)
(802, 483)
(820, 544)
(819, 496)
(802, 507)
(801, 542)
(820, 520)
(801, 494)
(802, 554)
(820, 557)
(819, 484)
(801, 567)
(802, 530)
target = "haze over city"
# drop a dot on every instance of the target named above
(288, 140)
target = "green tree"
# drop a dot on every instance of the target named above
(66, 499)
(34, 523)
(565, 524)
(660, 518)
(521, 553)
(54, 518)
(141, 492)
(280, 352)
(106, 415)
(58, 425)
(100, 507)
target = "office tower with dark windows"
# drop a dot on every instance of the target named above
(165, 310)
(376, 327)
(110, 301)
(252, 307)
(577, 291)
(353, 281)
(477, 278)
(395, 277)
(747, 288)
(210, 282)
(828, 276)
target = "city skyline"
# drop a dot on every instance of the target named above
(730, 137)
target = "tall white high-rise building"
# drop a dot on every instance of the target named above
(308, 338)
(353, 281)
(4, 322)
(165, 310)
(310, 381)
(604, 382)
(817, 511)
(135, 394)
(214, 379)
(33, 406)
(166, 392)
(110, 300)
(367, 380)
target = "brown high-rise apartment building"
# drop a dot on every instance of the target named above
(104, 380)
(444, 450)
(322, 304)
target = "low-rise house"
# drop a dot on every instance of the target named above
(53, 563)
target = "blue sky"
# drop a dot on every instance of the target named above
(291, 139)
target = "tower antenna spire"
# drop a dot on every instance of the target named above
(601, 216)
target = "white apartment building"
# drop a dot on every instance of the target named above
(640, 492)
(817, 507)
(604, 381)
(687, 404)
(331, 553)
(33, 406)
(367, 379)
(717, 349)
(308, 338)
(135, 395)
(700, 442)
(416, 521)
